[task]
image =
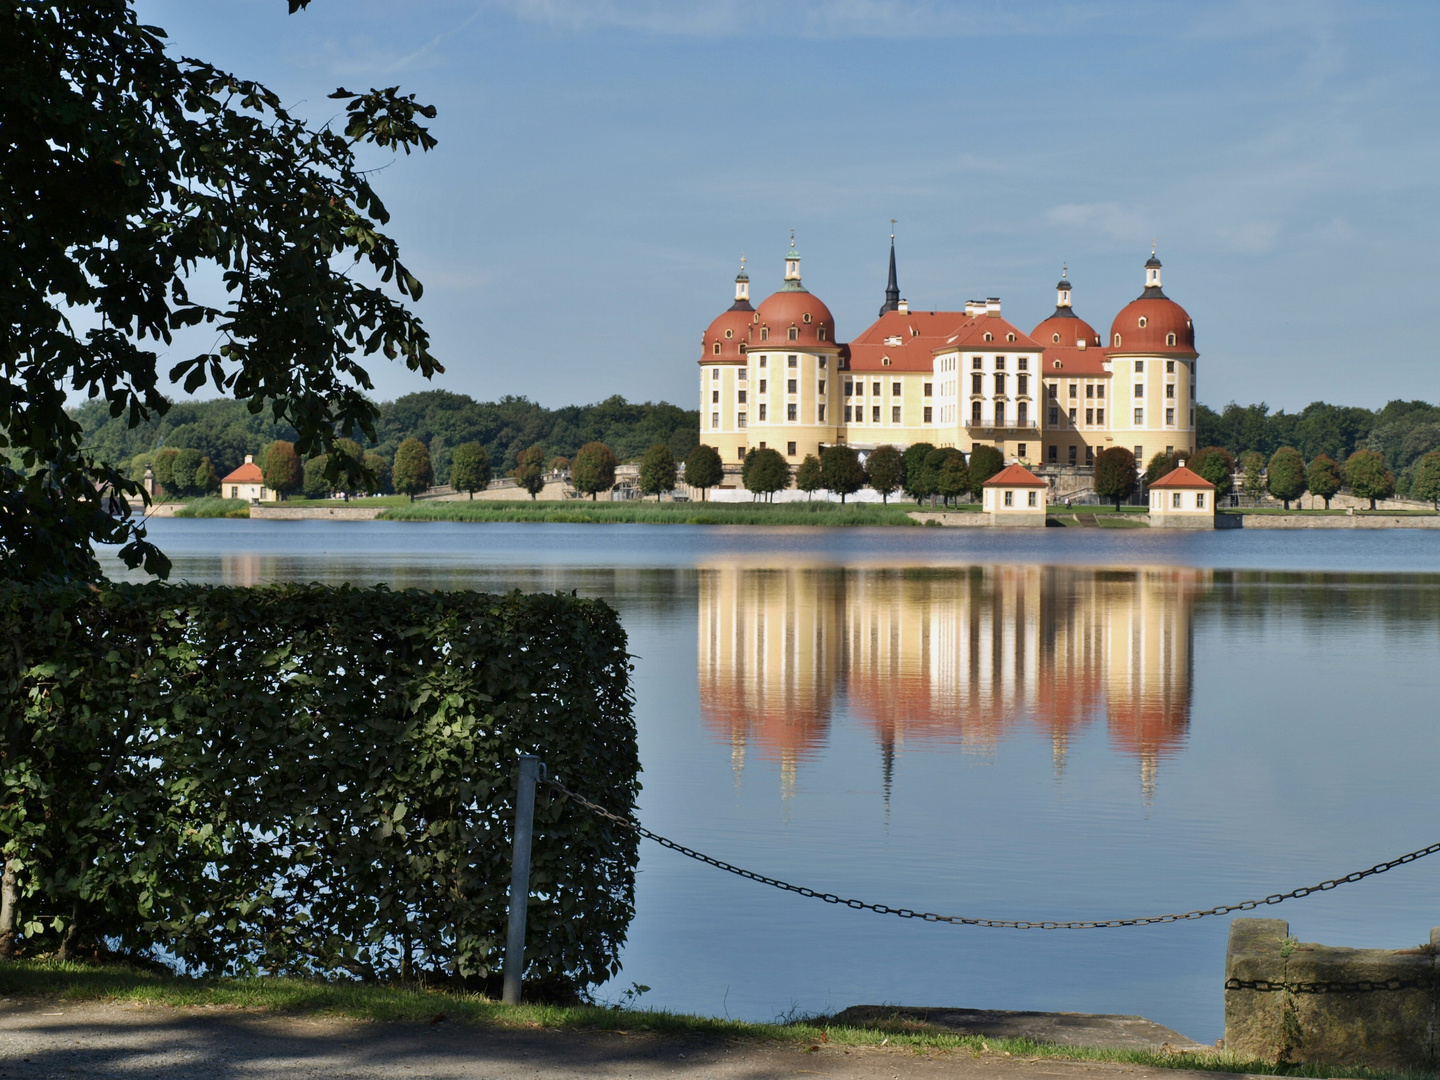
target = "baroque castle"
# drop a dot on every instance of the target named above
(778, 376)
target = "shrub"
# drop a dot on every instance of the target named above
(304, 779)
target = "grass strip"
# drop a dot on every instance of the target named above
(383, 1002)
(212, 506)
(578, 512)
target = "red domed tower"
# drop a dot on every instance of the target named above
(768, 377)
(1077, 403)
(1152, 362)
(724, 386)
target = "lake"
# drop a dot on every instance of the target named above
(1027, 724)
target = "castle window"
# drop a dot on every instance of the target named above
(1054, 390)
(1100, 417)
(1072, 417)
(975, 412)
(714, 373)
(975, 387)
(1139, 389)
(790, 385)
(1056, 365)
(848, 410)
(1052, 453)
(717, 348)
(807, 322)
(885, 361)
(976, 362)
(821, 413)
(715, 397)
(764, 360)
(929, 412)
(875, 389)
(1170, 338)
(1089, 416)
(1175, 500)
(1089, 390)
(1170, 390)
(1139, 417)
(895, 414)
(714, 419)
(999, 363)
(790, 449)
(820, 361)
(765, 335)
(740, 453)
(762, 386)
(729, 333)
(1032, 497)
(821, 388)
(820, 333)
(1117, 339)
(740, 419)
(762, 414)
(1020, 452)
(894, 389)
(1072, 455)
(789, 412)
(741, 397)
(1074, 391)
(1022, 364)
(1054, 416)
(1009, 337)
(792, 361)
(1024, 384)
(1170, 367)
(989, 336)
(743, 350)
(1009, 498)
(928, 389)
(1100, 390)
(1199, 500)
(849, 388)
(794, 333)
(1143, 321)
(1055, 338)
(1139, 366)
(1169, 416)
(1022, 414)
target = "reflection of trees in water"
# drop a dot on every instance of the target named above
(1243, 599)
(953, 657)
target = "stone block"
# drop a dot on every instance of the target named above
(1255, 1018)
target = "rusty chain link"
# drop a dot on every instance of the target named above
(963, 920)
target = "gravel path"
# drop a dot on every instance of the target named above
(40, 1038)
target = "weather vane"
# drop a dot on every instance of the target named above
(892, 228)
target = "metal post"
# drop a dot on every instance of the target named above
(520, 876)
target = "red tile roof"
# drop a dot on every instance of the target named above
(919, 334)
(1183, 478)
(1015, 475)
(972, 333)
(249, 473)
(1065, 356)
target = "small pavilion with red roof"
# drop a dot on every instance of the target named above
(1182, 499)
(1015, 496)
(246, 482)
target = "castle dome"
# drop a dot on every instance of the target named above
(793, 315)
(1152, 323)
(729, 335)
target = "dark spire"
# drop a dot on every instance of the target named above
(892, 287)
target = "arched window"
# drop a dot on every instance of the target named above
(1009, 337)
(765, 335)
(794, 333)
(1117, 341)
(1170, 338)
(820, 333)
(717, 348)
(989, 336)
(1143, 321)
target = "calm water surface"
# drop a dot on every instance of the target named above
(1031, 724)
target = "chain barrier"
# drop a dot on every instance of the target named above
(963, 920)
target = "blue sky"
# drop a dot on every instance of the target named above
(603, 164)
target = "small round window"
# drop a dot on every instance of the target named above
(1143, 321)
(807, 316)
(729, 333)
(1055, 338)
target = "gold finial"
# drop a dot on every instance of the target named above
(792, 238)
(892, 228)
(742, 262)
(1152, 248)
(1064, 270)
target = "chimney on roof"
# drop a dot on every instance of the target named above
(903, 307)
(992, 307)
(974, 307)
(249, 459)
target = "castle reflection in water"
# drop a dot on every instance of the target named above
(964, 657)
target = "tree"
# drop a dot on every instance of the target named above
(316, 484)
(469, 468)
(1368, 477)
(378, 470)
(919, 483)
(559, 464)
(807, 476)
(1323, 477)
(657, 471)
(1252, 474)
(280, 466)
(129, 175)
(841, 471)
(1285, 475)
(765, 472)
(985, 462)
(164, 469)
(345, 468)
(593, 470)
(951, 474)
(886, 469)
(1215, 464)
(1161, 465)
(182, 469)
(207, 482)
(412, 473)
(1426, 484)
(703, 469)
(1115, 477)
(530, 471)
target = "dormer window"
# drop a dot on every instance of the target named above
(914, 332)
(743, 350)
(1009, 337)
(1117, 341)
(807, 318)
(893, 339)
(1056, 365)
(1170, 338)
(765, 335)
(1055, 338)
(729, 333)
(717, 348)
(1143, 321)
(885, 361)
(820, 333)
(989, 336)
(794, 333)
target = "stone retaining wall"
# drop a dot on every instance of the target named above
(1288, 1001)
(339, 512)
(966, 518)
(1333, 521)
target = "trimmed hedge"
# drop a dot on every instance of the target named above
(307, 780)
